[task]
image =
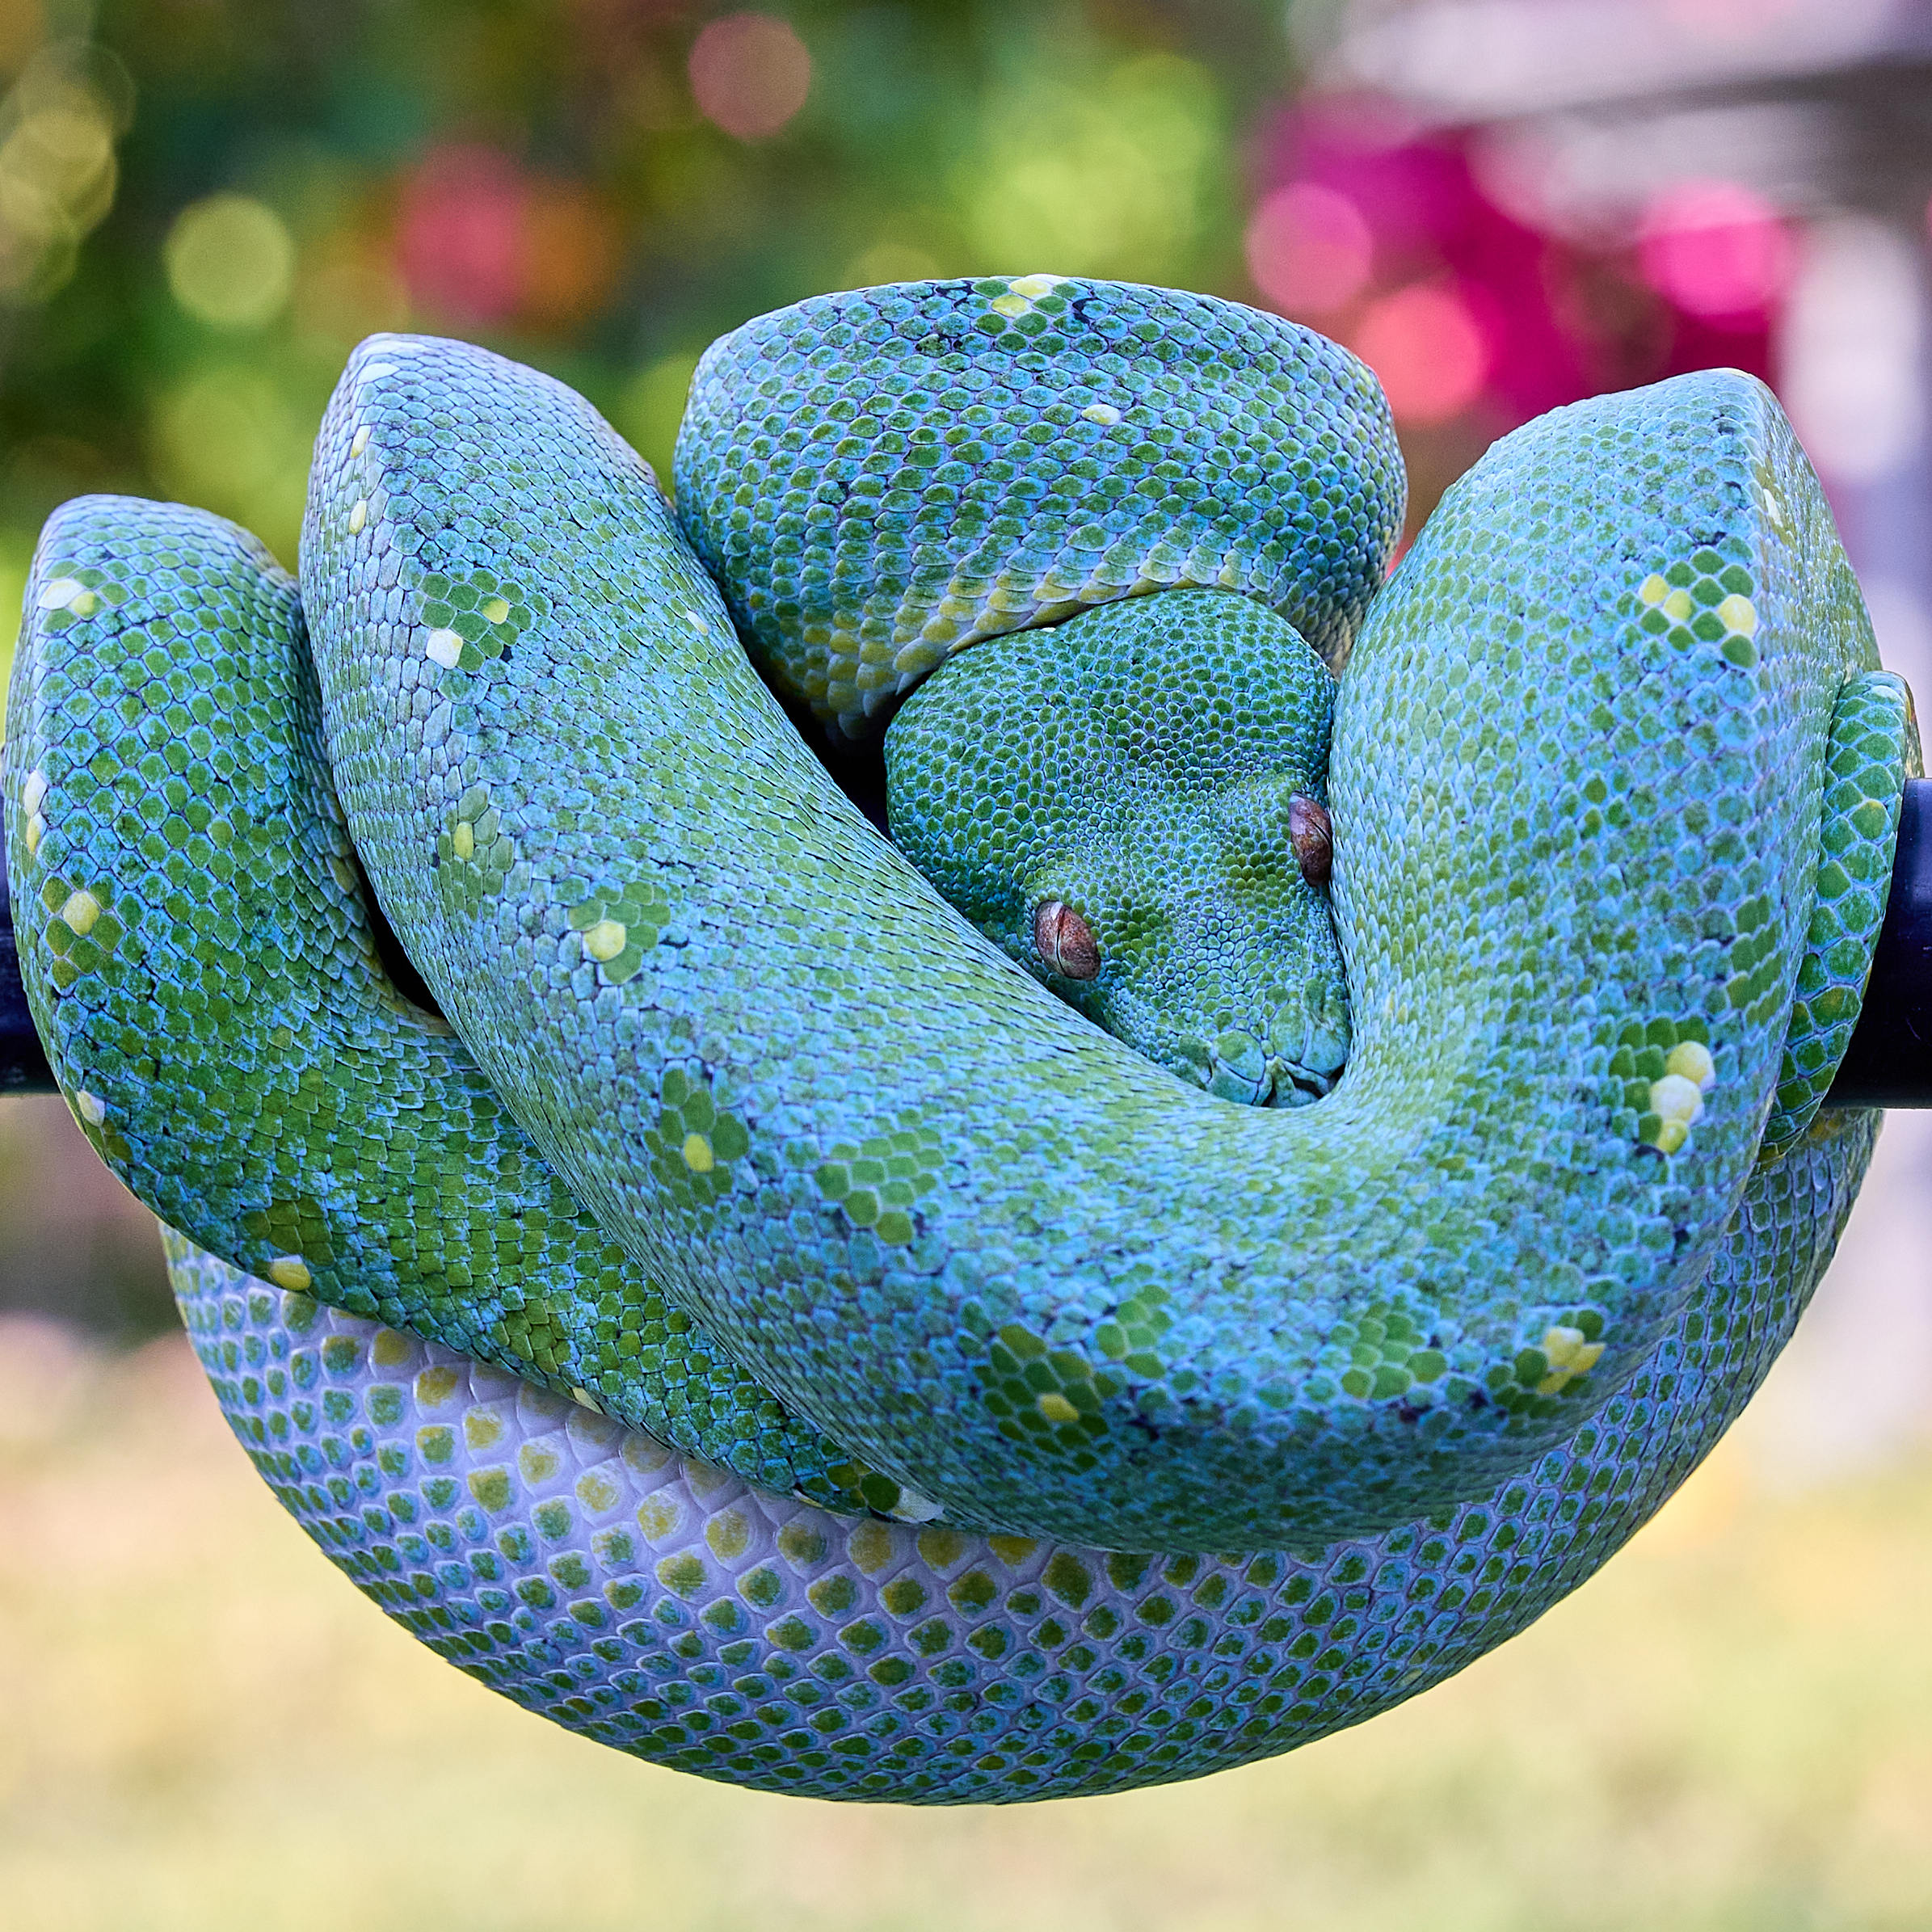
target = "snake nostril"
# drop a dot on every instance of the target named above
(1065, 941)
(1312, 833)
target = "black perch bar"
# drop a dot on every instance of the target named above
(1889, 1063)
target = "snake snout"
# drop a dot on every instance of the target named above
(1294, 1066)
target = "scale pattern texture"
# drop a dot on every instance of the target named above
(196, 936)
(1436, 1347)
(1865, 780)
(660, 1606)
(882, 477)
(902, 1184)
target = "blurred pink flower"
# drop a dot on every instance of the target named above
(750, 74)
(459, 242)
(1545, 319)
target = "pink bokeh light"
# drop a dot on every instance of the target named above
(459, 241)
(1715, 249)
(1309, 249)
(750, 74)
(1464, 290)
(1425, 344)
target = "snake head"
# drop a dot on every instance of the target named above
(1130, 804)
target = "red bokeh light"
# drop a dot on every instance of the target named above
(1425, 343)
(480, 240)
(460, 241)
(750, 74)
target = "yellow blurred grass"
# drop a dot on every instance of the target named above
(203, 1726)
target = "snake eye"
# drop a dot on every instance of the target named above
(1312, 833)
(1065, 941)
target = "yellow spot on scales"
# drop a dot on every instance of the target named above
(913, 1507)
(1653, 590)
(435, 1386)
(81, 911)
(1677, 607)
(1023, 292)
(1675, 1098)
(482, 1428)
(290, 1271)
(1571, 1353)
(1678, 1103)
(1057, 1409)
(1103, 413)
(444, 647)
(33, 795)
(90, 1107)
(358, 514)
(68, 594)
(698, 1156)
(1739, 614)
(361, 442)
(495, 609)
(392, 1348)
(1690, 1060)
(605, 939)
(585, 1400)
(462, 841)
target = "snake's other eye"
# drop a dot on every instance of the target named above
(1312, 833)
(1065, 941)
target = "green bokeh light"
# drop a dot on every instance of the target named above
(230, 261)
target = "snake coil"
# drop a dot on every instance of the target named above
(752, 1321)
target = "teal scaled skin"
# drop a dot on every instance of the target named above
(1141, 765)
(911, 1190)
(184, 868)
(658, 1604)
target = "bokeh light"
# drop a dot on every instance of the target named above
(230, 261)
(1115, 173)
(459, 242)
(228, 437)
(1715, 249)
(1308, 249)
(1426, 345)
(568, 257)
(58, 171)
(750, 74)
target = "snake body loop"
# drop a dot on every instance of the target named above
(890, 1228)
(910, 1192)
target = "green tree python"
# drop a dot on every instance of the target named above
(747, 1309)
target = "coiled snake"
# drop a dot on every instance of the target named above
(763, 1327)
